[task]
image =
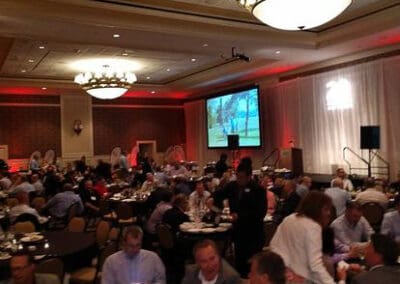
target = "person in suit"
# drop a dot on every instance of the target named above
(248, 204)
(209, 267)
(23, 271)
(381, 256)
(176, 215)
(267, 268)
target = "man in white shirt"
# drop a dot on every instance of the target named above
(23, 185)
(303, 187)
(352, 228)
(5, 182)
(37, 184)
(198, 198)
(22, 207)
(133, 264)
(338, 195)
(391, 221)
(149, 184)
(371, 194)
(347, 184)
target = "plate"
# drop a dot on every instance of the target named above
(38, 257)
(5, 256)
(208, 230)
(194, 230)
(31, 239)
(221, 229)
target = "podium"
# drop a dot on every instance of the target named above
(291, 159)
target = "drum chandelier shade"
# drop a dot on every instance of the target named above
(106, 83)
(295, 15)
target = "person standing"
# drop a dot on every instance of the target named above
(248, 204)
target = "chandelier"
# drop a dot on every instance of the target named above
(107, 83)
(295, 14)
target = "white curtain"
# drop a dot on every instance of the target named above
(297, 110)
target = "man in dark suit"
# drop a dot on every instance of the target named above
(381, 256)
(248, 205)
(210, 267)
(176, 215)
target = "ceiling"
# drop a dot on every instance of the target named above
(184, 47)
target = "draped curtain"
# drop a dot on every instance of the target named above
(297, 111)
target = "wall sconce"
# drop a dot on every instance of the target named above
(78, 126)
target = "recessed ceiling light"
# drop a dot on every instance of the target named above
(148, 77)
(41, 47)
(153, 92)
(205, 45)
(168, 70)
(193, 59)
(44, 88)
(23, 70)
(124, 54)
(277, 52)
(31, 60)
(116, 35)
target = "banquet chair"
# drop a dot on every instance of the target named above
(11, 202)
(125, 215)
(92, 274)
(24, 227)
(105, 212)
(27, 217)
(102, 233)
(373, 212)
(51, 266)
(77, 225)
(38, 203)
(114, 234)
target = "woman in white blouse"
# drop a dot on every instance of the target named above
(298, 240)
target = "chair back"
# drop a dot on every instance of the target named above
(38, 203)
(109, 249)
(102, 232)
(165, 236)
(124, 211)
(26, 217)
(104, 207)
(72, 211)
(373, 212)
(24, 227)
(113, 235)
(11, 202)
(77, 225)
(51, 266)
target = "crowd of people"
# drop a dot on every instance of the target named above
(321, 235)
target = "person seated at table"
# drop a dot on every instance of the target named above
(371, 194)
(176, 215)
(101, 187)
(178, 170)
(22, 184)
(197, 199)
(158, 213)
(290, 202)
(339, 196)
(381, 256)
(180, 185)
(267, 184)
(209, 267)
(303, 187)
(103, 169)
(352, 228)
(149, 184)
(89, 197)
(211, 211)
(59, 205)
(341, 174)
(37, 184)
(22, 268)
(133, 264)
(5, 181)
(267, 268)
(22, 208)
(391, 221)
